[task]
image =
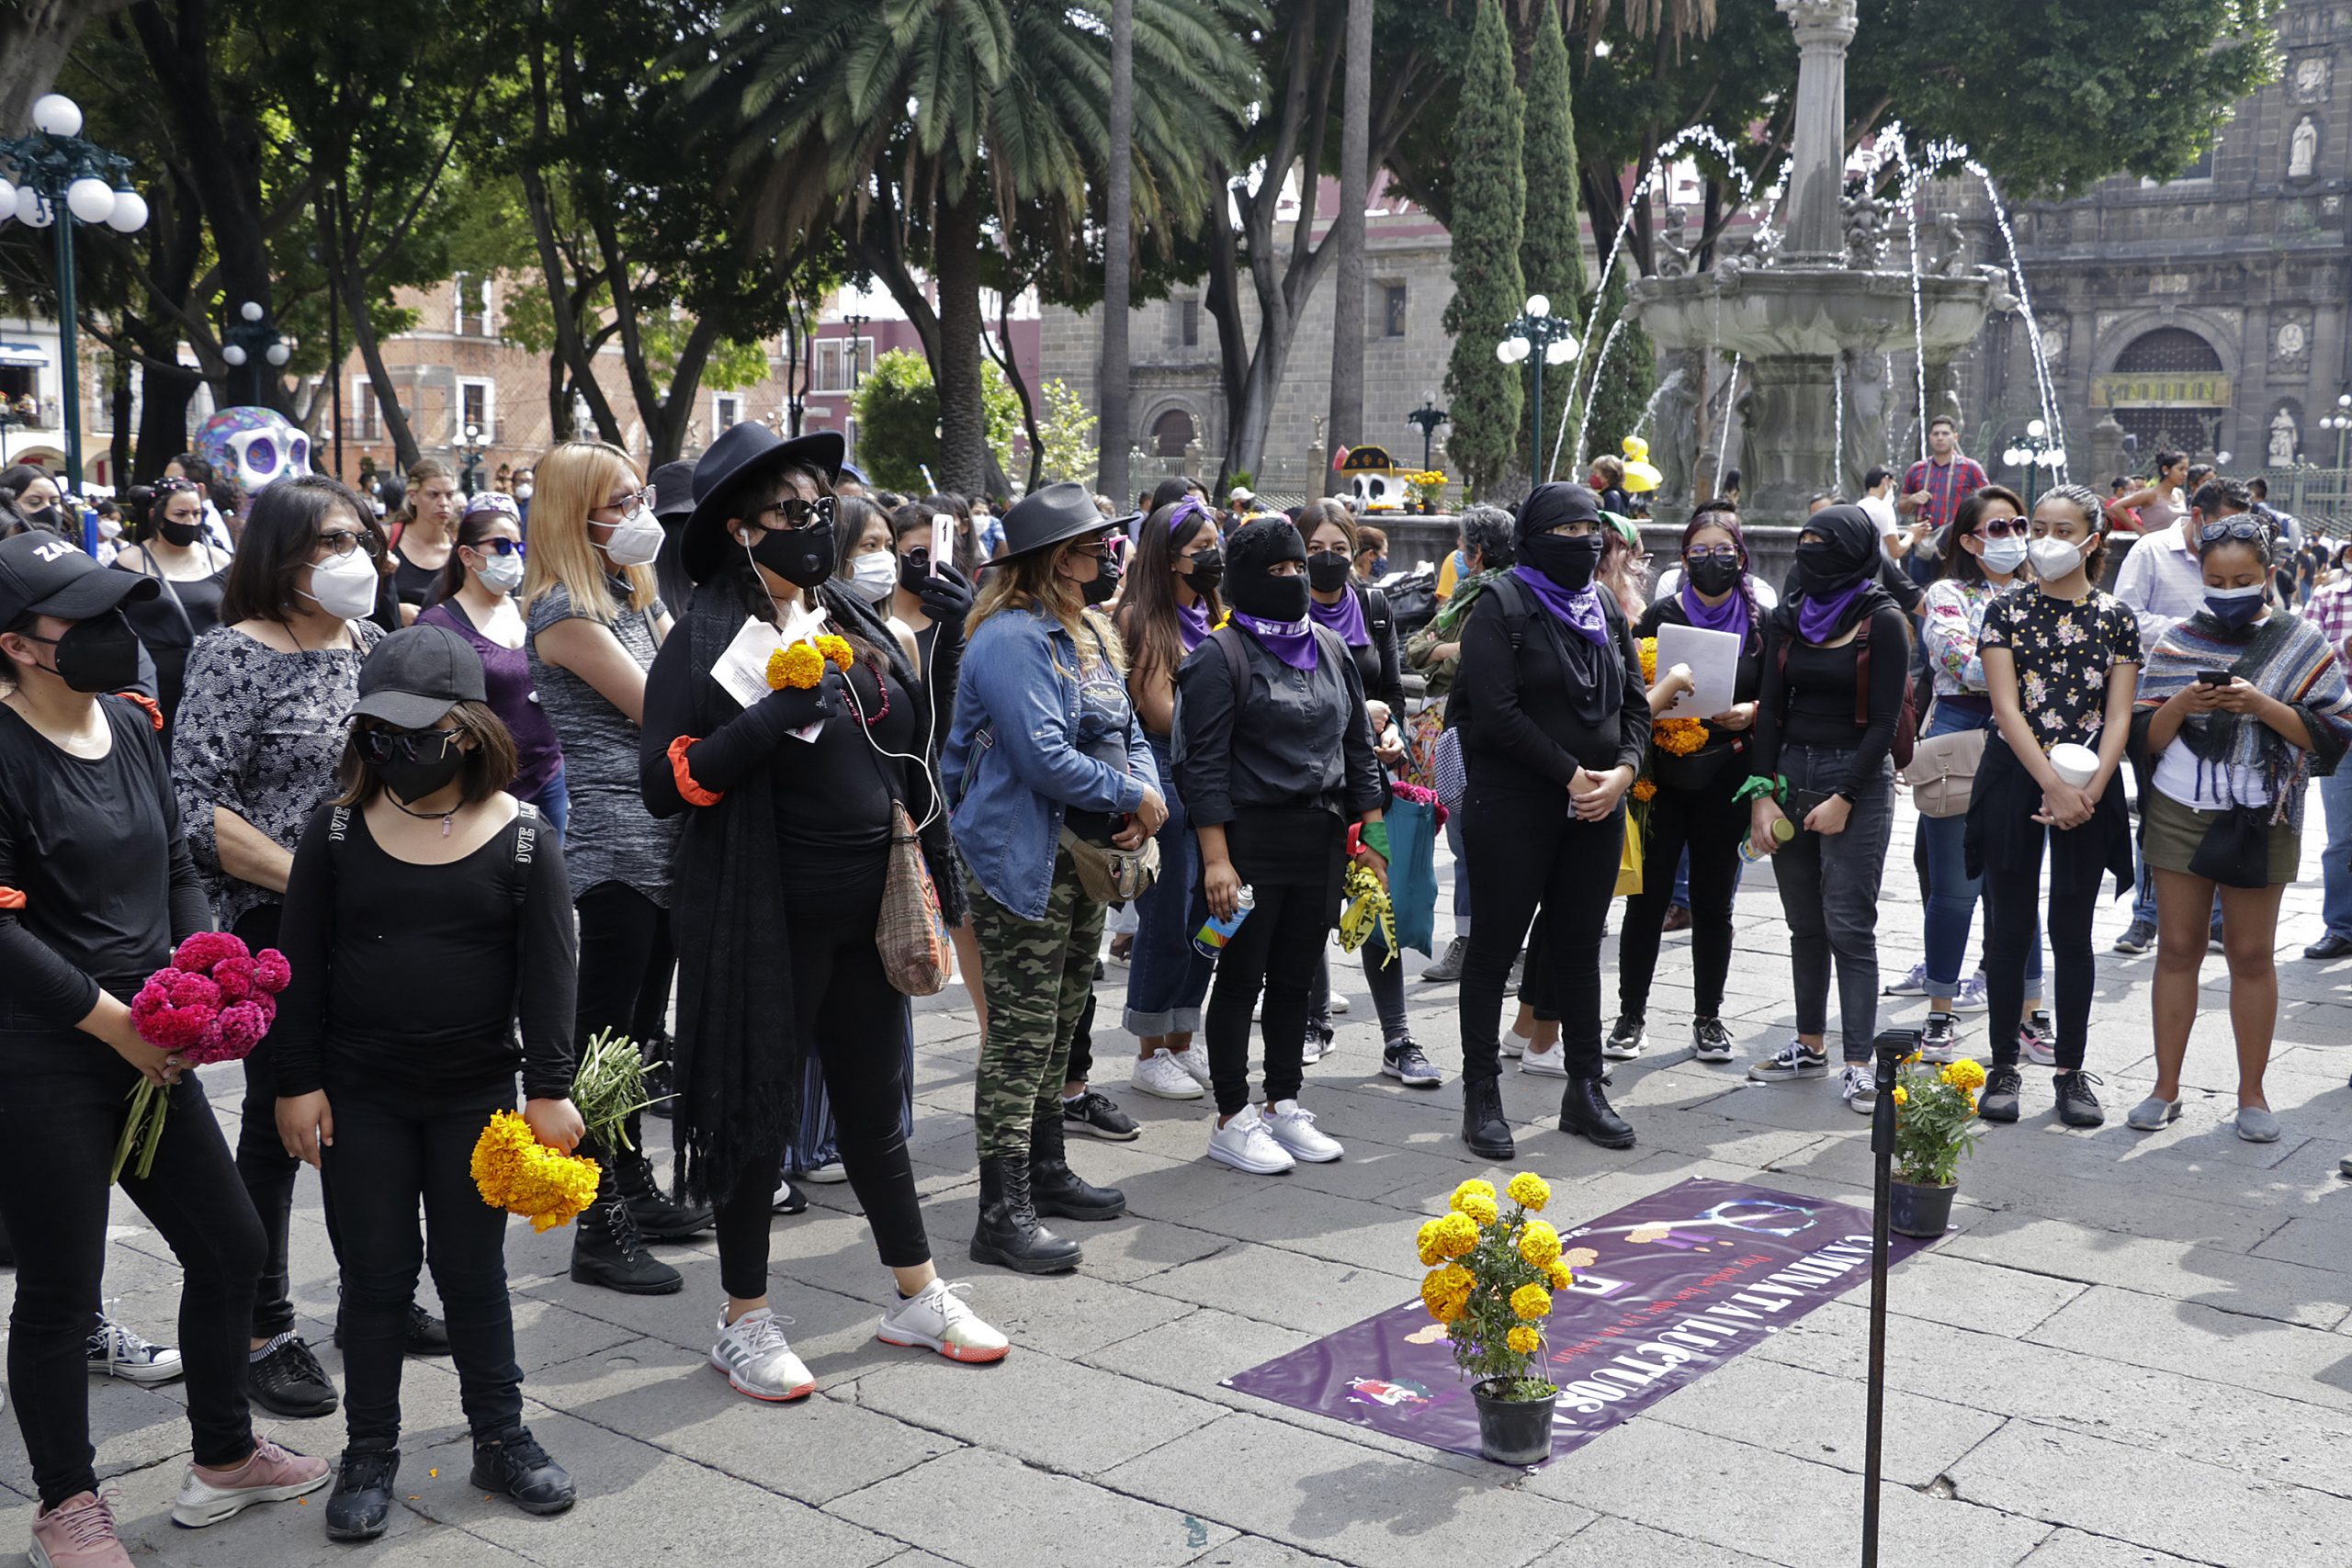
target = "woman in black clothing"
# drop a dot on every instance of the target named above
(1273, 757)
(192, 576)
(1556, 725)
(1823, 737)
(423, 534)
(96, 887)
(1697, 804)
(385, 1086)
(779, 881)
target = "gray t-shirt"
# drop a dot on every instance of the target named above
(610, 836)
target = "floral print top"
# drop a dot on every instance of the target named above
(1952, 617)
(2064, 649)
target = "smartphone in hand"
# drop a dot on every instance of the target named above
(2213, 677)
(943, 538)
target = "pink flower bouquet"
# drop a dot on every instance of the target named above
(212, 1003)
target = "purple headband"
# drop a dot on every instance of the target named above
(1189, 507)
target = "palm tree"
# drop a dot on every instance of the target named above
(953, 111)
(1347, 307)
(1118, 260)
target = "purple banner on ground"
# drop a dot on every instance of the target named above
(1668, 1289)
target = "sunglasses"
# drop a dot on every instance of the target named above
(793, 513)
(2240, 528)
(378, 747)
(498, 545)
(2003, 528)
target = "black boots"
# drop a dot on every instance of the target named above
(1008, 1234)
(1483, 1127)
(1583, 1110)
(607, 1251)
(657, 1217)
(1056, 1189)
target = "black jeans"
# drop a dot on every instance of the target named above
(1829, 890)
(263, 1164)
(1294, 881)
(1524, 851)
(627, 967)
(1710, 822)
(847, 1010)
(390, 1154)
(63, 1101)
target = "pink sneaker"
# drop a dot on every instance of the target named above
(274, 1475)
(78, 1533)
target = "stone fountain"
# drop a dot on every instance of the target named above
(1814, 320)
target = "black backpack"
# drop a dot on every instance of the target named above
(1516, 608)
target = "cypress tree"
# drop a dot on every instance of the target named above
(1489, 210)
(1551, 253)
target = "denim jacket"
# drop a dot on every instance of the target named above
(1012, 764)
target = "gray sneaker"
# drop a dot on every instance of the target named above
(2256, 1124)
(1404, 1062)
(1449, 963)
(758, 1361)
(2138, 938)
(2152, 1114)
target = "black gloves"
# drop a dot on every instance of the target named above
(947, 598)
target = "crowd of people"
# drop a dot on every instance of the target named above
(524, 710)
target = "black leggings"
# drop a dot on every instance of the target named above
(388, 1155)
(263, 1164)
(626, 965)
(1274, 950)
(1524, 851)
(62, 1108)
(847, 1010)
(1710, 822)
(2009, 907)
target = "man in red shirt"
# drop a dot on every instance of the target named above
(1933, 489)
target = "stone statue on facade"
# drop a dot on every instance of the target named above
(1674, 244)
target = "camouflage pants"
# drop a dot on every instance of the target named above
(1037, 976)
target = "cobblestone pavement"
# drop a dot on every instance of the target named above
(2138, 1349)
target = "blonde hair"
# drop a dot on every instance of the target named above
(572, 479)
(1029, 584)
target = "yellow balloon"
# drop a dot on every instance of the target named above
(1635, 448)
(1641, 477)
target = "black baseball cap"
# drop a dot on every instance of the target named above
(43, 574)
(417, 674)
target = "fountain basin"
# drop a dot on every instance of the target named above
(1819, 310)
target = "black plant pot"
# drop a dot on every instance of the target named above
(1914, 1210)
(1514, 1431)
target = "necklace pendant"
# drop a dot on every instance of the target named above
(445, 823)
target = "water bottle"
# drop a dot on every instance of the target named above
(1782, 832)
(1210, 940)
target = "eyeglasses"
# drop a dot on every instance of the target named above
(378, 747)
(2232, 528)
(793, 513)
(629, 502)
(2003, 528)
(343, 541)
(1727, 553)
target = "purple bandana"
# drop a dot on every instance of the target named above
(1817, 618)
(1731, 615)
(1192, 624)
(1580, 608)
(1346, 617)
(1293, 642)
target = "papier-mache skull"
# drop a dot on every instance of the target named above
(253, 448)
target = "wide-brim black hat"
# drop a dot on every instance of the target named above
(1053, 516)
(742, 456)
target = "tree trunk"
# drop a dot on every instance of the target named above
(35, 39)
(1116, 431)
(963, 417)
(1009, 362)
(1348, 299)
(118, 404)
(162, 420)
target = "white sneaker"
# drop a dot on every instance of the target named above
(1293, 1127)
(937, 1319)
(117, 1353)
(1551, 1063)
(1860, 1088)
(1514, 1044)
(829, 1173)
(754, 1354)
(1160, 1074)
(1338, 1005)
(1245, 1144)
(1194, 1060)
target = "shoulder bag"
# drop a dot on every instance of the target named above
(1943, 770)
(910, 933)
(1107, 873)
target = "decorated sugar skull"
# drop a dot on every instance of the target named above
(253, 448)
(1373, 479)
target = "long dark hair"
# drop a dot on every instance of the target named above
(491, 766)
(1962, 565)
(473, 529)
(281, 530)
(1715, 514)
(1147, 617)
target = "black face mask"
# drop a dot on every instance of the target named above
(181, 533)
(1326, 571)
(100, 654)
(43, 517)
(1105, 583)
(1270, 598)
(1569, 559)
(1822, 571)
(1711, 575)
(414, 780)
(1208, 569)
(802, 556)
(914, 570)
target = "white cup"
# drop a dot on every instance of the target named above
(2077, 765)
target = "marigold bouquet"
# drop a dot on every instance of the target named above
(212, 1003)
(1490, 1281)
(801, 665)
(514, 1171)
(1935, 1114)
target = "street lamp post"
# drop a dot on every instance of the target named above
(1548, 340)
(473, 452)
(252, 342)
(1428, 416)
(2035, 453)
(2339, 421)
(854, 324)
(56, 177)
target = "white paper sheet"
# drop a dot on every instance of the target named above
(742, 670)
(1714, 659)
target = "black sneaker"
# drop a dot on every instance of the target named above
(290, 1381)
(2138, 937)
(1626, 1040)
(1098, 1116)
(512, 1465)
(1709, 1041)
(2077, 1106)
(1939, 1041)
(361, 1504)
(1999, 1100)
(1449, 963)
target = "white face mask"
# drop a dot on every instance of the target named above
(635, 539)
(109, 529)
(343, 586)
(522, 492)
(874, 574)
(2003, 555)
(2055, 559)
(502, 574)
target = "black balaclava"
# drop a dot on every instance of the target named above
(1249, 585)
(1570, 562)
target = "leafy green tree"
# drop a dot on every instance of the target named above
(1551, 250)
(1066, 437)
(1489, 207)
(898, 421)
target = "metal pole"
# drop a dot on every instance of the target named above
(1535, 456)
(1891, 1047)
(334, 373)
(69, 371)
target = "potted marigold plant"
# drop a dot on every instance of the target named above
(1491, 1277)
(1935, 1117)
(1428, 486)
